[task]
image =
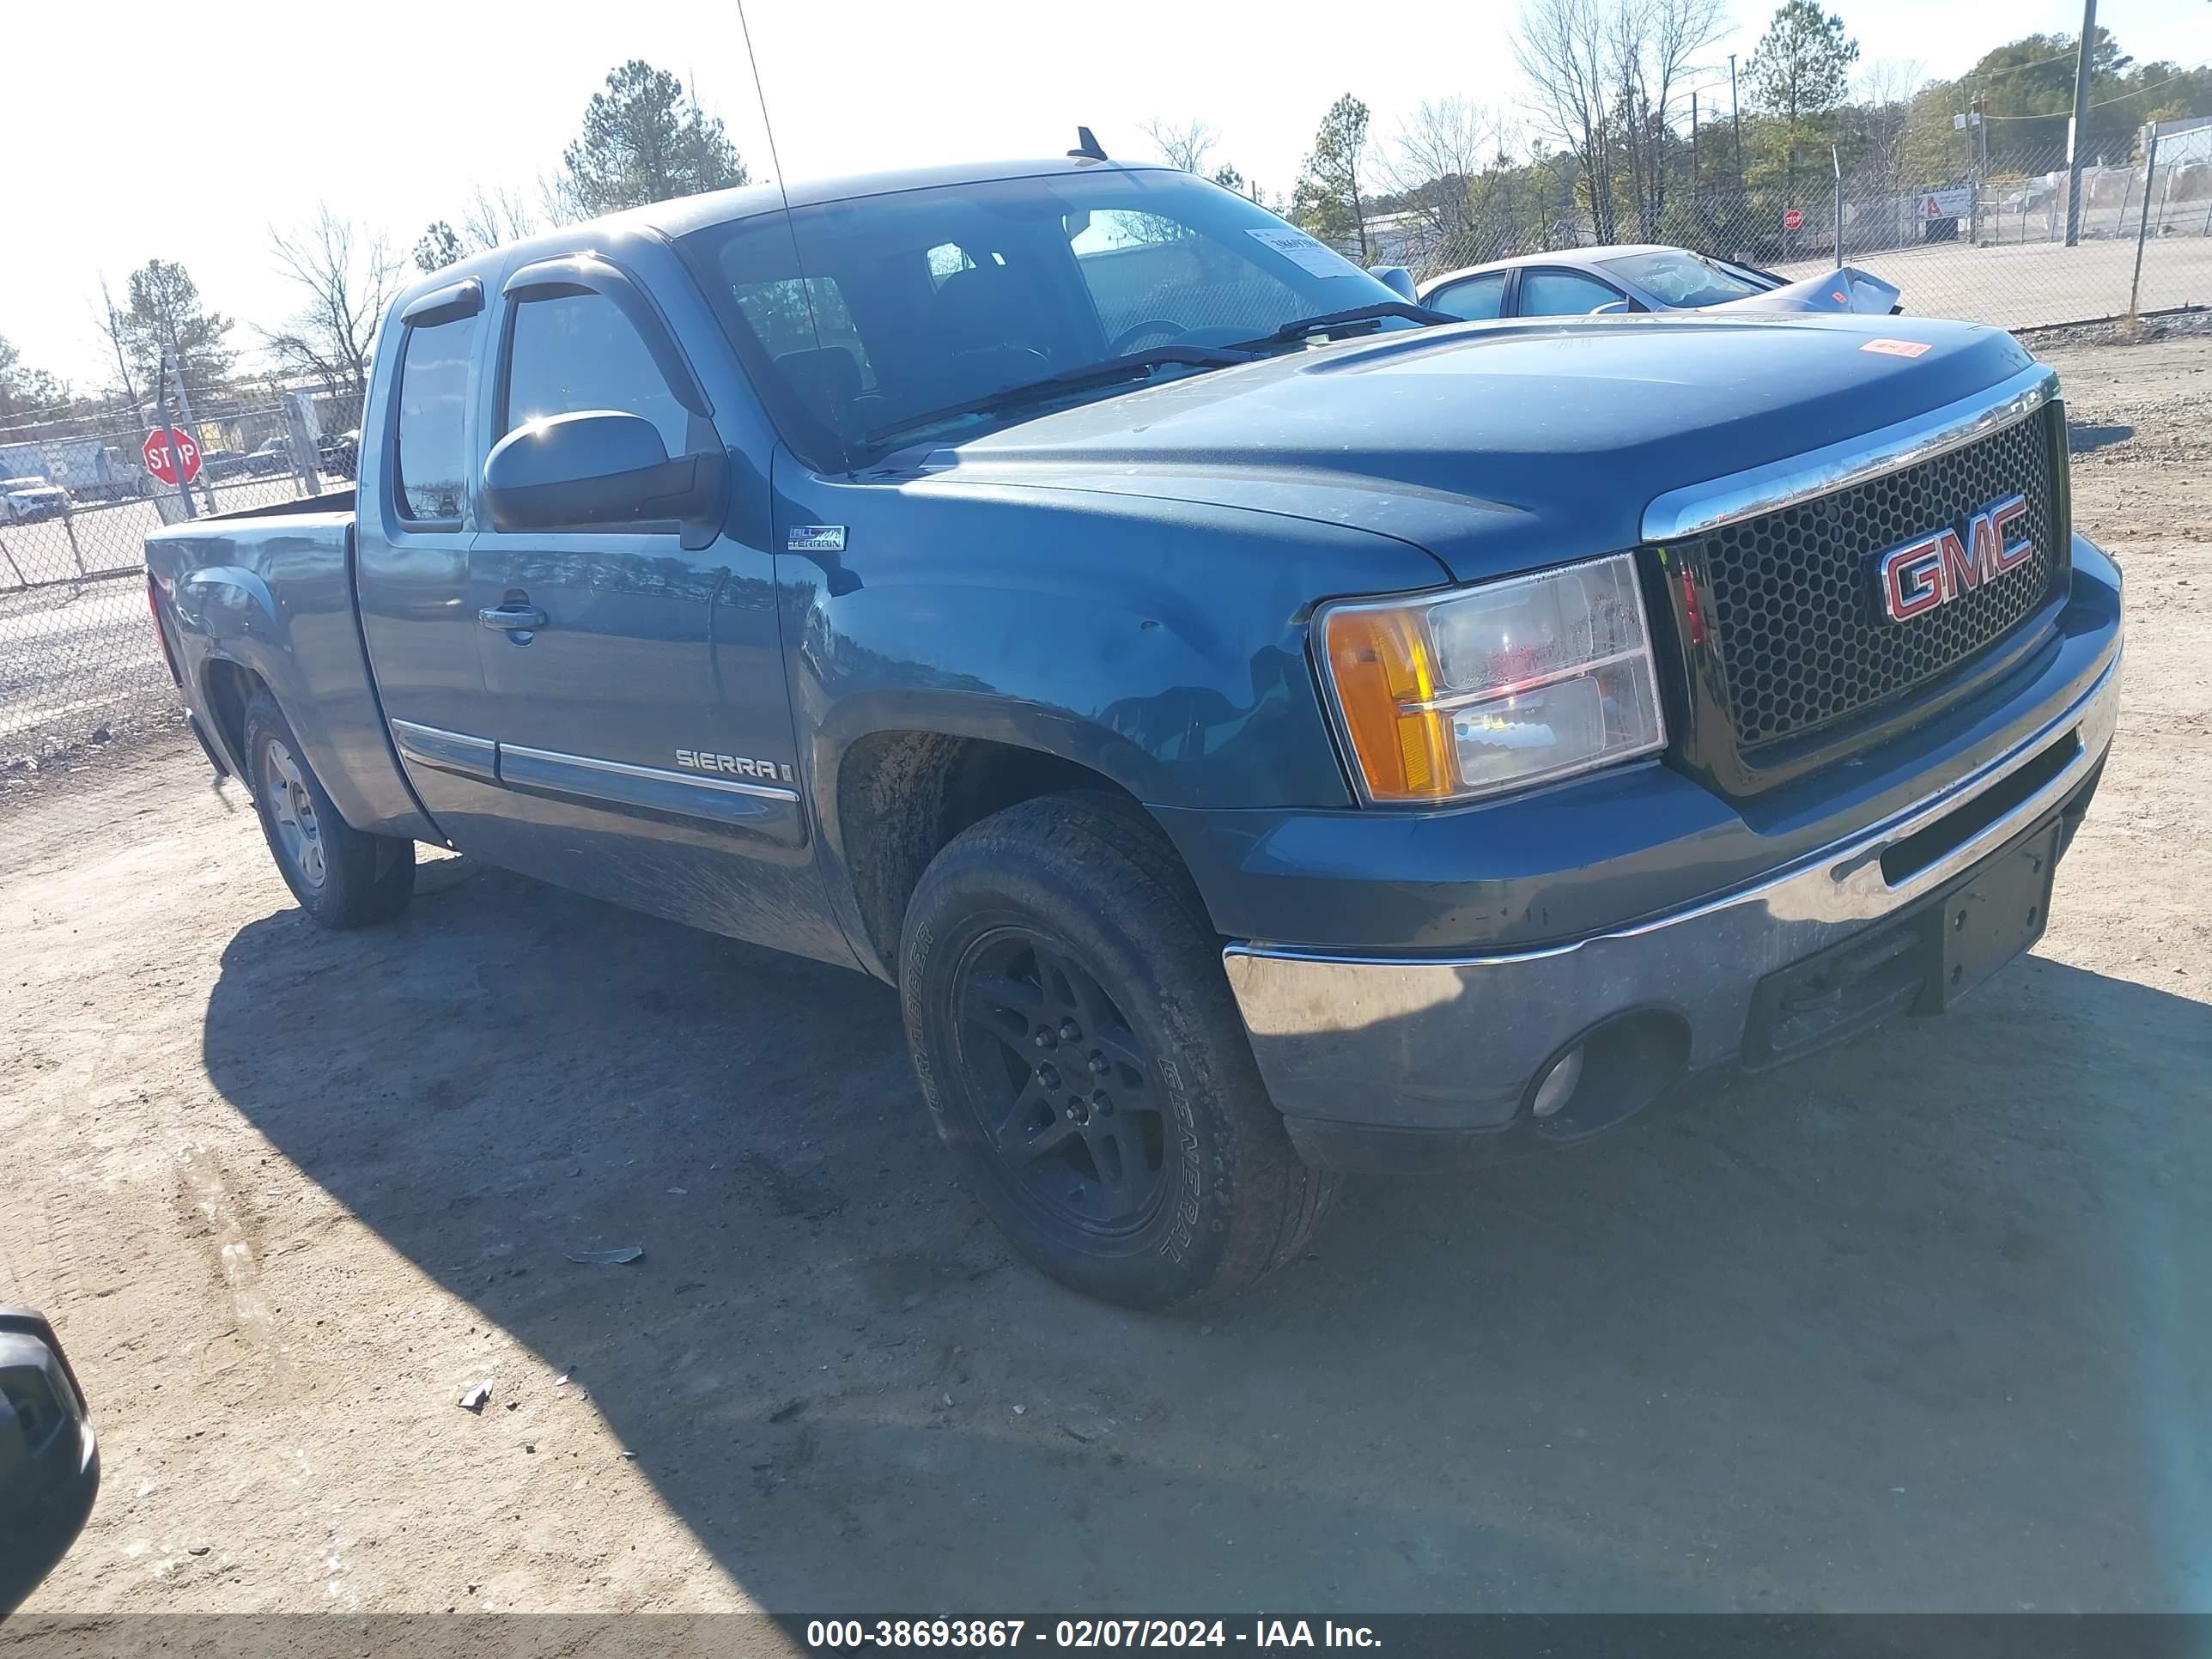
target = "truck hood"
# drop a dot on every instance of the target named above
(1497, 447)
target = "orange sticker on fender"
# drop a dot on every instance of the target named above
(1896, 348)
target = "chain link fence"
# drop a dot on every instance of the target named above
(1986, 239)
(81, 674)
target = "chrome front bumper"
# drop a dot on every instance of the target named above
(1422, 1048)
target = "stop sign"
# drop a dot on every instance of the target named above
(1793, 219)
(155, 453)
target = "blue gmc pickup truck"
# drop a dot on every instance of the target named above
(1263, 728)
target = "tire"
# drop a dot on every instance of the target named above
(1078, 1048)
(341, 878)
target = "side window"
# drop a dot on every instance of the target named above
(1474, 300)
(1563, 294)
(579, 352)
(430, 462)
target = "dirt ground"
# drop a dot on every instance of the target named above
(1926, 1324)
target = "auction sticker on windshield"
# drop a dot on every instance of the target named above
(1308, 254)
(1896, 348)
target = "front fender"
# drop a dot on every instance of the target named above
(1161, 644)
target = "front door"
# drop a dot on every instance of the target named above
(636, 685)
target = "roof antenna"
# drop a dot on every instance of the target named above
(791, 227)
(1086, 148)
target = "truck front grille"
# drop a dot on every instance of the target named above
(1799, 640)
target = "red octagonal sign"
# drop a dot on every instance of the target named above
(155, 453)
(1793, 219)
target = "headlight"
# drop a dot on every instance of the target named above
(1453, 695)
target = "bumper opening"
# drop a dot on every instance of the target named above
(1924, 957)
(1628, 1061)
(1909, 857)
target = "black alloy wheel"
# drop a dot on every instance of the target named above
(1060, 1084)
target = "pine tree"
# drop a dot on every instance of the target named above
(1327, 198)
(645, 140)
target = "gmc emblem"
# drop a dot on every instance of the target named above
(1938, 568)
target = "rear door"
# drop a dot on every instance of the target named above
(635, 684)
(1555, 291)
(412, 531)
(1472, 299)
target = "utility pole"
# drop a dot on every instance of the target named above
(1836, 165)
(2143, 230)
(1696, 208)
(176, 367)
(169, 440)
(2074, 131)
(1735, 120)
(1982, 166)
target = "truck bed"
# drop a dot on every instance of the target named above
(266, 598)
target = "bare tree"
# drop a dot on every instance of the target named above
(558, 203)
(1655, 43)
(494, 216)
(1443, 166)
(1563, 49)
(1606, 75)
(1187, 145)
(1883, 121)
(111, 325)
(349, 276)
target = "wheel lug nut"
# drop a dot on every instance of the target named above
(1044, 1038)
(1104, 1103)
(1048, 1075)
(1099, 1065)
(1069, 1031)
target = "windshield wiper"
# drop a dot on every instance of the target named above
(1136, 366)
(1298, 327)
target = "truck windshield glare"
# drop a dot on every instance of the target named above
(933, 299)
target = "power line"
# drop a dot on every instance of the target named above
(2121, 98)
(2015, 68)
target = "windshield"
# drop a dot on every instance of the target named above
(1682, 278)
(927, 298)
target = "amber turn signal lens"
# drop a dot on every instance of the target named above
(1380, 661)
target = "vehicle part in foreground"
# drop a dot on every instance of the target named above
(49, 1458)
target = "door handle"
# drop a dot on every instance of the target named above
(512, 618)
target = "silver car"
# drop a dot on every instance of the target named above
(1645, 276)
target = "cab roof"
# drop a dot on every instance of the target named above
(686, 213)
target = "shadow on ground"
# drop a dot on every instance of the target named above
(2088, 439)
(1922, 1323)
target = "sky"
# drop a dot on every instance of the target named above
(155, 130)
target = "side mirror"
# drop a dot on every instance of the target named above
(1398, 280)
(598, 469)
(49, 1460)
